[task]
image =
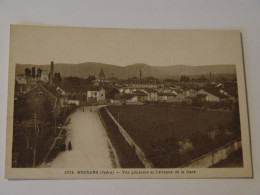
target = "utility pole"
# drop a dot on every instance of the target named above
(36, 132)
(35, 140)
(54, 123)
(211, 146)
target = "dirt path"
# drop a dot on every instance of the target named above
(90, 144)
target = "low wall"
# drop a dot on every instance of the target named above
(131, 142)
(214, 157)
(125, 152)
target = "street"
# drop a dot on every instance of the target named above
(90, 144)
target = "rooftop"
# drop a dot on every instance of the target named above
(213, 91)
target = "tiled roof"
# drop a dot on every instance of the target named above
(52, 91)
(48, 89)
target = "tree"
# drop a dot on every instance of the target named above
(202, 79)
(184, 78)
(91, 78)
(112, 93)
(57, 78)
(101, 74)
(149, 78)
(33, 72)
(27, 72)
(39, 72)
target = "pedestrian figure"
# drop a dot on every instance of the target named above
(83, 109)
(90, 110)
(69, 146)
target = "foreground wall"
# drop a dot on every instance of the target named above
(214, 157)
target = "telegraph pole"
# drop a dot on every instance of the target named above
(211, 146)
(54, 123)
(36, 132)
(34, 150)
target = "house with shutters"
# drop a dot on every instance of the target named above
(96, 95)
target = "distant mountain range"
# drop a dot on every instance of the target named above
(83, 70)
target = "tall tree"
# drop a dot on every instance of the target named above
(39, 72)
(27, 72)
(57, 77)
(101, 74)
(33, 72)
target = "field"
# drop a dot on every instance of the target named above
(171, 136)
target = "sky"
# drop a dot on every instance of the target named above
(42, 44)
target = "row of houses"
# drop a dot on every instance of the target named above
(61, 97)
(160, 94)
(209, 93)
(81, 95)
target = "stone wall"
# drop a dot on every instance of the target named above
(214, 157)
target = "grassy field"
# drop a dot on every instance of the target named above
(171, 136)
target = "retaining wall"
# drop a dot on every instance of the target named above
(214, 157)
(125, 152)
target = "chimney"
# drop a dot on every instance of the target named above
(51, 73)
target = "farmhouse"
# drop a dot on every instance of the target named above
(212, 95)
(129, 98)
(152, 94)
(73, 92)
(96, 95)
(180, 94)
(141, 96)
(42, 93)
(166, 97)
(135, 98)
(189, 93)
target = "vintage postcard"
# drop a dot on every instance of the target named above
(126, 103)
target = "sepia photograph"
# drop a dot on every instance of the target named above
(126, 103)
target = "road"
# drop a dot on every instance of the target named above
(91, 147)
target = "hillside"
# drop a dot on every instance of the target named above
(84, 69)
